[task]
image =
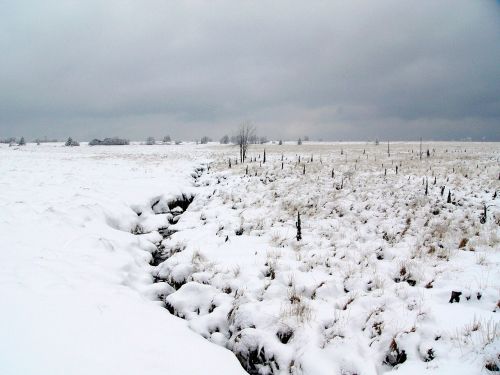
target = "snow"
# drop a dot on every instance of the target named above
(376, 265)
(108, 268)
(74, 280)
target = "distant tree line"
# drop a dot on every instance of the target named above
(253, 139)
(249, 139)
(235, 139)
(8, 140)
(167, 140)
(45, 140)
(115, 141)
(13, 140)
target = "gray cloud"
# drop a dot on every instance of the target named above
(330, 69)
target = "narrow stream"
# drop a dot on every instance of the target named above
(174, 209)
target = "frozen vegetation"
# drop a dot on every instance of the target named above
(395, 269)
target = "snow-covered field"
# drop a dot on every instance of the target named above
(98, 241)
(75, 285)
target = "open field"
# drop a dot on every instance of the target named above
(396, 271)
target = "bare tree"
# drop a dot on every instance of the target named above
(204, 140)
(246, 132)
(224, 140)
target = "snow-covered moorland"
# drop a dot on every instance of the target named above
(396, 269)
(76, 291)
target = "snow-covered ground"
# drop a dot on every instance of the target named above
(76, 291)
(98, 241)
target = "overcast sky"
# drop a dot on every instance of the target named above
(337, 70)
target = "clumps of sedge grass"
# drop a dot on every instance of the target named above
(165, 251)
(481, 259)
(296, 307)
(440, 229)
(277, 239)
(375, 322)
(313, 294)
(197, 258)
(478, 334)
(284, 334)
(427, 353)
(418, 252)
(270, 271)
(463, 243)
(300, 311)
(252, 356)
(294, 368)
(395, 356)
(404, 274)
(443, 253)
(377, 328)
(407, 226)
(177, 247)
(258, 225)
(379, 253)
(138, 229)
(293, 295)
(334, 329)
(271, 264)
(236, 270)
(378, 283)
(176, 283)
(297, 246)
(350, 299)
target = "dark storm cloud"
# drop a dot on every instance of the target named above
(330, 69)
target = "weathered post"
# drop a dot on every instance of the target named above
(299, 227)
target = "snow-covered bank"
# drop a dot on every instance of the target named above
(74, 280)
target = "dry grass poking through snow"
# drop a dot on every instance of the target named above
(386, 239)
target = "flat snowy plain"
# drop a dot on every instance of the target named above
(104, 249)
